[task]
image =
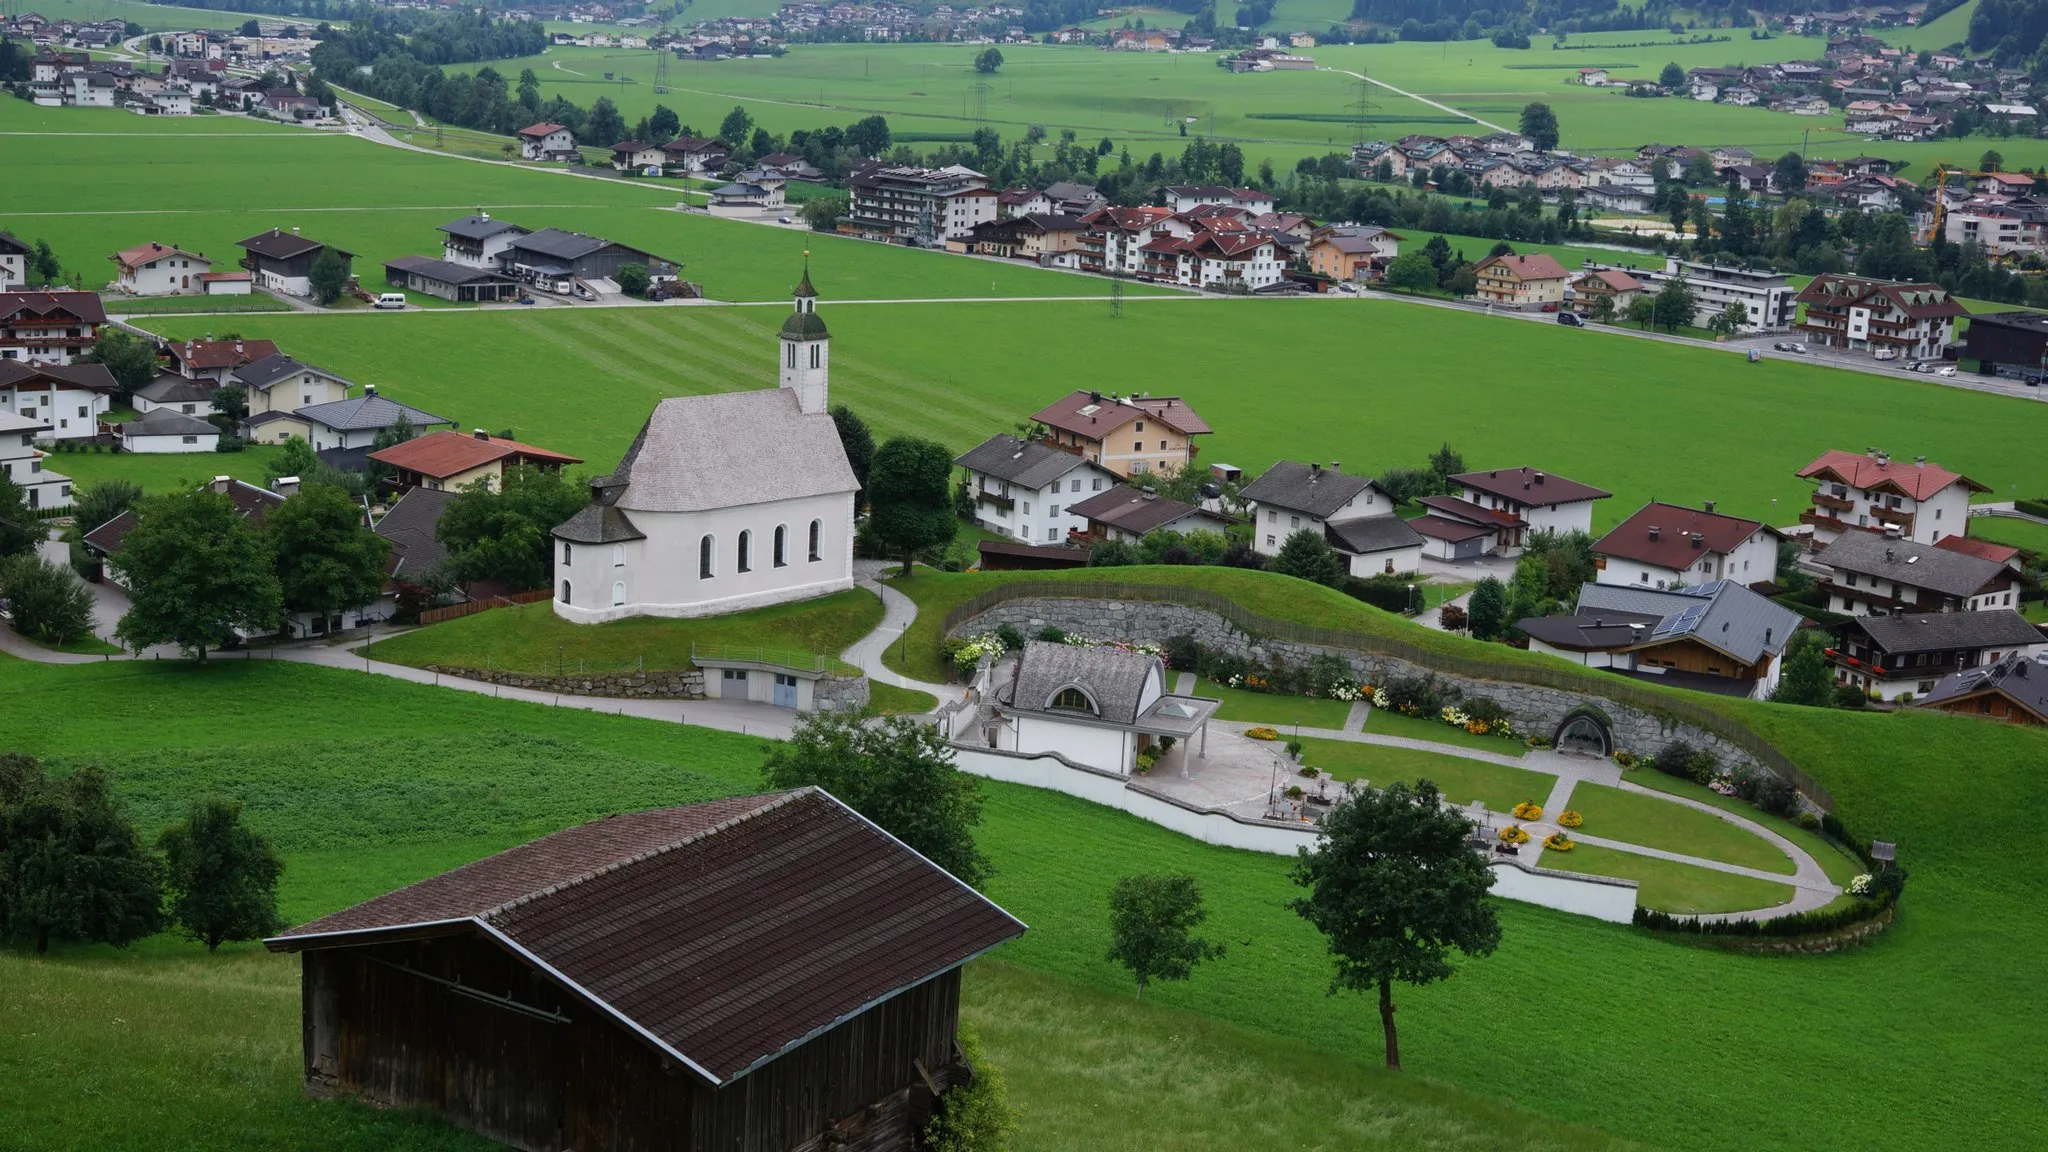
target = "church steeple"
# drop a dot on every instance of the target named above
(806, 348)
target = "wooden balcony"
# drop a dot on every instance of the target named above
(1824, 520)
(1904, 520)
(996, 500)
(1838, 503)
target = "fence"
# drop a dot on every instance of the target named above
(794, 658)
(1662, 702)
(470, 608)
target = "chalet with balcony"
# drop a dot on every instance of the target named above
(1129, 514)
(2013, 689)
(1530, 500)
(1715, 637)
(1921, 502)
(1861, 315)
(216, 360)
(1522, 281)
(282, 262)
(1666, 546)
(1290, 497)
(68, 399)
(1031, 490)
(1116, 237)
(1908, 655)
(547, 141)
(1125, 434)
(1871, 575)
(56, 327)
(477, 241)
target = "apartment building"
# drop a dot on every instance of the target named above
(1860, 315)
(1870, 492)
(920, 206)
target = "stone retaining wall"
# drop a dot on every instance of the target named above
(829, 694)
(1818, 944)
(1536, 710)
(840, 693)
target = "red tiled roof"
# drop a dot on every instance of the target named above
(1615, 279)
(1453, 508)
(1673, 546)
(142, 254)
(18, 306)
(1920, 301)
(1981, 549)
(1918, 481)
(725, 932)
(222, 353)
(1529, 486)
(444, 454)
(1065, 414)
(539, 130)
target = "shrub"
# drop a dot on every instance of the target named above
(1850, 696)
(1625, 758)
(1385, 592)
(1513, 834)
(1416, 695)
(1485, 710)
(1558, 842)
(1011, 638)
(50, 604)
(1147, 760)
(1294, 749)
(1675, 760)
(1310, 773)
(1052, 634)
(1452, 617)
(1809, 821)
(1774, 795)
(1183, 654)
(975, 1116)
(1294, 792)
(1327, 672)
(968, 656)
(1227, 666)
(1702, 766)
(1261, 733)
(1883, 894)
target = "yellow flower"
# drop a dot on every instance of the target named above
(1528, 810)
(1569, 818)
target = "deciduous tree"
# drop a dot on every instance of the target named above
(1539, 124)
(127, 357)
(910, 500)
(1805, 679)
(1395, 889)
(1151, 925)
(328, 276)
(71, 866)
(197, 570)
(327, 558)
(634, 280)
(1672, 76)
(1487, 609)
(1305, 554)
(504, 534)
(50, 604)
(1412, 271)
(604, 126)
(220, 876)
(898, 773)
(19, 532)
(736, 127)
(988, 60)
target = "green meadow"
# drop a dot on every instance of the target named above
(1904, 1043)
(1369, 383)
(152, 17)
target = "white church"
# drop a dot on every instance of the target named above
(722, 502)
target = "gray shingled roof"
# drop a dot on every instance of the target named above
(1114, 680)
(1299, 488)
(264, 374)
(479, 227)
(731, 449)
(1722, 614)
(173, 389)
(559, 244)
(1362, 535)
(412, 527)
(1131, 510)
(1942, 631)
(365, 413)
(1027, 463)
(164, 422)
(1593, 631)
(444, 271)
(1903, 561)
(596, 523)
(2024, 680)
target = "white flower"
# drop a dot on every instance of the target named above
(1860, 886)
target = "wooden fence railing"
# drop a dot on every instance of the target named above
(472, 607)
(1661, 702)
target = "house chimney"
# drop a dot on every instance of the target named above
(1315, 470)
(295, 229)
(1919, 461)
(1698, 541)
(1707, 505)
(1333, 465)
(1890, 556)
(1653, 532)
(1539, 477)
(1767, 635)
(221, 483)
(369, 390)
(286, 486)
(479, 433)
(1095, 397)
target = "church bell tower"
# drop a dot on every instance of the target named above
(806, 349)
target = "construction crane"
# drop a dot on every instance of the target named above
(1935, 184)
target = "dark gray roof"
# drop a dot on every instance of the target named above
(1590, 631)
(1115, 680)
(1131, 510)
(1363, 535)
(1300, 488)
(1945, 631)
(345, 459)
(170, 388)
(2024, 680)
(443, 270)
(806, 325)
(164, 422)
(366, 413)
(559, 244)
(596, 523)
(267, 372)
(1904, 562)
(1722, 614)
(1029, 463)
(411, 526)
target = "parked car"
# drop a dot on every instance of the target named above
(1886, 354)
(1945, 370)
(784, 220)
(1570, 320)
(1347, 288)
(390, 300)
(1550, 307)
(1922, 366)
(1799, 348)
(1784, 346)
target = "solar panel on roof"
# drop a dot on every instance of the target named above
(1681, 623)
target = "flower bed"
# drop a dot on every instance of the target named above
(1262, 733)
(1514, 834)
(1528, 810)
(1569, 818)
(1558, 842)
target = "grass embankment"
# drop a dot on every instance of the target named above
(87, 645)
(1668, 886)
(1386, 722)
(1840, 866)
(2010, 530)
(530, 638)
(889, 700)
(178, 305)
(168, 472)
(1653, 823)
(1283, 712)
(1461, 780)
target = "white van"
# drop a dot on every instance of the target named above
(390, 300)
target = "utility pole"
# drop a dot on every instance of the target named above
(1116, 299)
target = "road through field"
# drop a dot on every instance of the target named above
(1417, 99)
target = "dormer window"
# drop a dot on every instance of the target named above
(1073, 699)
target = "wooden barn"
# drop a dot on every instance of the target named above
(758, 973)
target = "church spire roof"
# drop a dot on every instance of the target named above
(804, 323)
(803, 287)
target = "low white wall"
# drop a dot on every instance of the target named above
(1597, 897)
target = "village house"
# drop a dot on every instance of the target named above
(1618, 288)
(1895, 656)
(1858, 314)
(165, 431)
(1881, 575)
(49, 327)
(1921, 502)
(554, 259)
(462, 283)
(1715, 637)
(920, 206)
(1116, 237)
(14, 261)
(1352, 253)
(1382, 545)
(2018, 339)
(1765, 294)
(1097, 706)
(2013, 688)
(279, 383)
(1030, 489)
(1228, 259)
(723, 502)
(622, 962)
(695, 155)
(180, 394)
(747, 197)
(160, 270)
(638, 156)
(21, 463)
(1127, 514)
(103, 542)
(2003, 228)
(477, 241)
(216, 360)
(1290, 497)
(452, 461)
(1522, 281)
(546, 141)
(1509, 505)
(350, 423)
(1665, 546)
(283, 261)
(1188, 197)
(1126, 435)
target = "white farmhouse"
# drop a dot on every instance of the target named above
(1495, 512)
(722, 502)
(1288, 497)
(154, 269)
(1665, 546)
(21, 463)
(1031, 490)
(1923, 502)
(165, 431)
(70, 398)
